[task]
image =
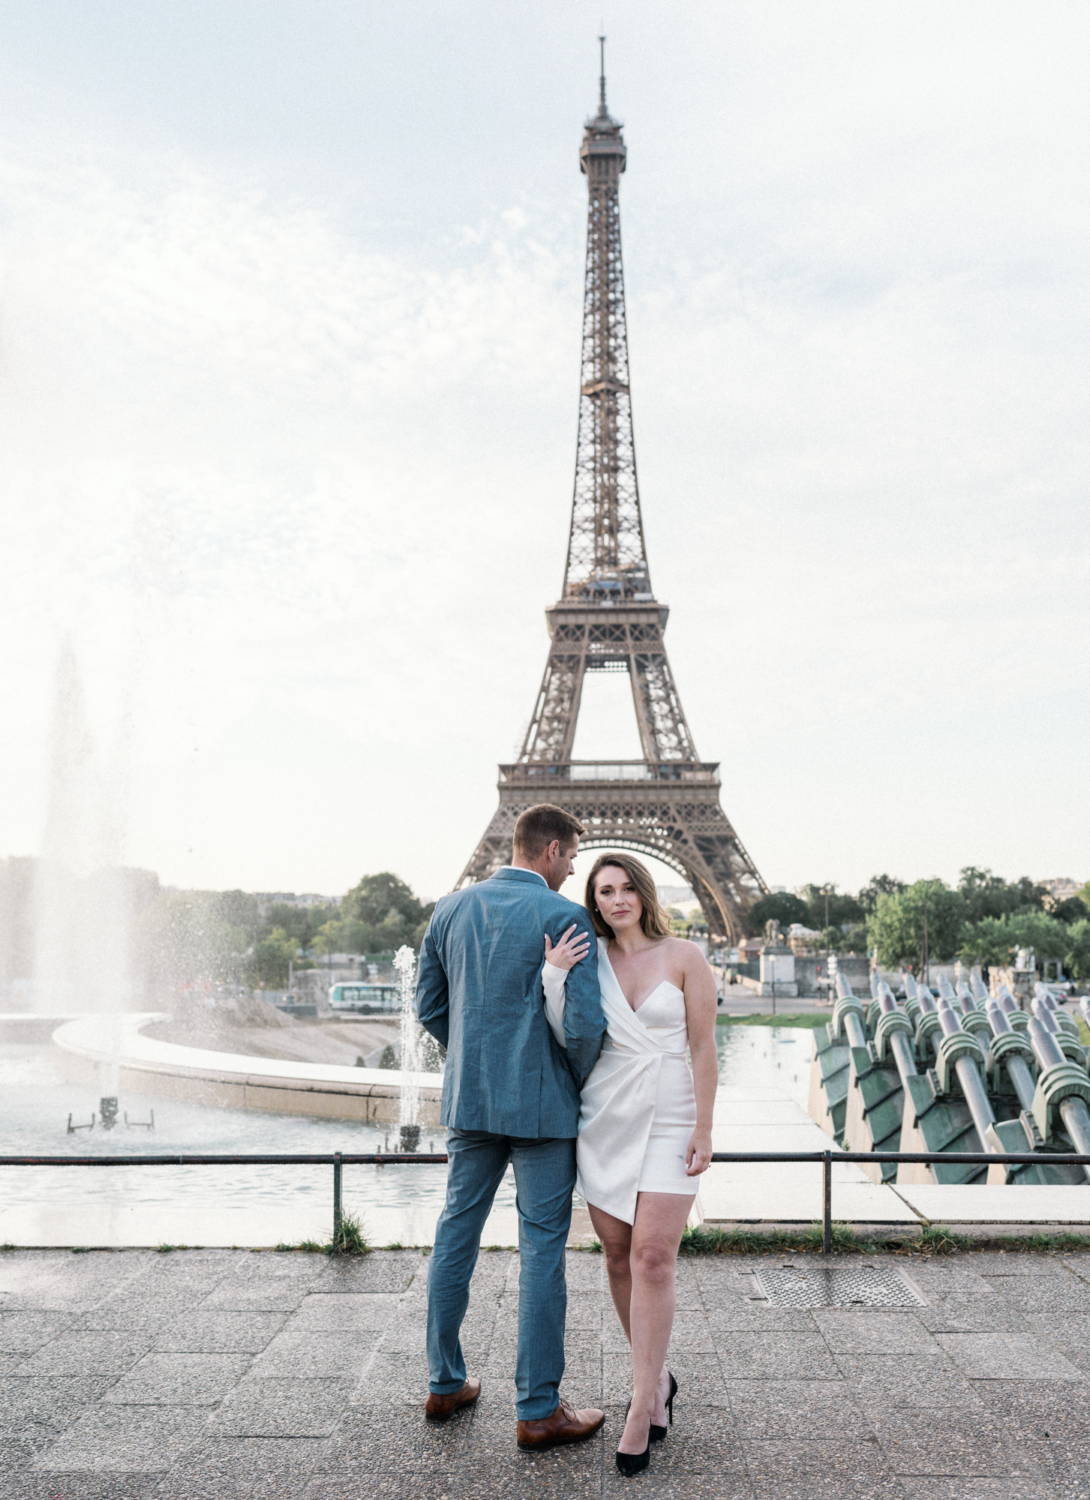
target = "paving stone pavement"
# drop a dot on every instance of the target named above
(134, 1375)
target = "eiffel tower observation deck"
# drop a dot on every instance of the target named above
(608, 619)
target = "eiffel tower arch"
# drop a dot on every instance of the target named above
(666, 804)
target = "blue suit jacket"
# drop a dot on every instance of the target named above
(479, 993)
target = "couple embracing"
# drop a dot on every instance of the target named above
(566, 1030)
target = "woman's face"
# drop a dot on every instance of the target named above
(617, 899)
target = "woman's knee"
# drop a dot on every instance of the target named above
(654, 1260)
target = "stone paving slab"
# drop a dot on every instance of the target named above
(132, 1375)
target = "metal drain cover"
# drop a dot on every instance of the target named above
(820, 1286)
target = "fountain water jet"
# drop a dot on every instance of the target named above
(411, 1060)
(83, 943)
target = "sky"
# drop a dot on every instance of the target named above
(290, 304)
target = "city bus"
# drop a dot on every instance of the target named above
(364, 999)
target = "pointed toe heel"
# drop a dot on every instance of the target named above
(633, 1463)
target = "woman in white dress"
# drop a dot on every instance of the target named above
(645, 1120)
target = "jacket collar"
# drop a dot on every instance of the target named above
(509, 872)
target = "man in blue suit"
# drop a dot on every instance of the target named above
(510, 1094)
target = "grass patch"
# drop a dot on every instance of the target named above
(808, 1021)
(7, 1247)
(932, 1239)
(1084, 1030)
(166, 1249)
(351, 1240)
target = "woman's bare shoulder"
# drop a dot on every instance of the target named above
(685, 955)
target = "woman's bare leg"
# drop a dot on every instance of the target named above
(652, 1259)
(616, 1240)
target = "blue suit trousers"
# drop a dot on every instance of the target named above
(544, 1180)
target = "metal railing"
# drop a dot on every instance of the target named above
(340, 1159)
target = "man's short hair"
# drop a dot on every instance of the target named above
(538, 826)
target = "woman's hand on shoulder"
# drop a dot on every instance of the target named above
(572, 947)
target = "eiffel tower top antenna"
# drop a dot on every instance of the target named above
(602, 78)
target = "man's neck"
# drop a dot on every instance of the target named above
(517, 863)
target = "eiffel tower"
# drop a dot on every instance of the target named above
(608, 620)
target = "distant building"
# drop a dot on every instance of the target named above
(265, 899)
(1061, 888)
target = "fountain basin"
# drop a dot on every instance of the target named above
(203, 1076)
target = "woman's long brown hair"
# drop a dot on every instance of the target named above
(653, 920)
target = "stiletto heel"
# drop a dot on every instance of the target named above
(633, 1463)
(657, 1433)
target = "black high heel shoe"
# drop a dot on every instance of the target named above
(633, 1463)
(657, 1433)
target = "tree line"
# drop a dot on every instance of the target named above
(171, 938)
(983, 919)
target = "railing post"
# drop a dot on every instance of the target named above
(827, 1224)
(336, 1199)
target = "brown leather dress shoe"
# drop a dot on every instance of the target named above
(442, 1408)
(566, 1425)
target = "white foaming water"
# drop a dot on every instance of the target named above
(411, 1059)
(83, 947)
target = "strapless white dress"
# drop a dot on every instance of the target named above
(638, 1107)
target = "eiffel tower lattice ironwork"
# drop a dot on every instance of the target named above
(608, 620)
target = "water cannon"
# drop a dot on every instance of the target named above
(1015, 1015)
(848, 1015)
(1009, 1051)
(893, 1034)
(928, 1025)
(966, 998)
(946, 992)
(1066, 1036)
(1044, 996)
(978, 987)
(912, 1001)
(1062, 1094)
(959, 1055)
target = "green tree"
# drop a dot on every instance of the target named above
(781, 907)
(900, 920)
(381, 912)
(988, 895)
(994, 940)
(844, 910)
(300, 922)
(1077, 958)
(879, 885)
(269, 962)
(1071, 910)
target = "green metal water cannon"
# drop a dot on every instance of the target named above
(1063, 1093)
(849, 1018)
(973, 1021)
(928, 1025)
(1017, 1017)
(1068, 1045)
(894, 1035)
(1010, 1053)
(912, 999)
(978, 988)
(1042, 995)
